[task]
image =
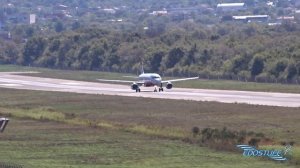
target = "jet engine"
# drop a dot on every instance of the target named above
(169, 85)
(134, 86)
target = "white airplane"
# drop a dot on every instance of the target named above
(149, 80)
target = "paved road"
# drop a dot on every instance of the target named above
(17, 81)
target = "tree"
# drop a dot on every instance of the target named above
(174, 57)
(279, 67)
(190, 58)
(82, 57)
(156, 26)
(59, 26)
(76, 25)
(29, 31)
(291, 71)
(33, 49)
(9, 54)
(54, 45)
(205, 56)
(289, 26)
(282, 3)
(226, 18)
(96, 57)
(239, 63)
(83, 3)
(156, 60)
(249, 2)
(298, 68)
(257, 66)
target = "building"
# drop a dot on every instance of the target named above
(159, 13)
(227, 7)
(61, 7)
(286, 18)
(252, 18)
(109, 10)
(32, 19)
(269, 3)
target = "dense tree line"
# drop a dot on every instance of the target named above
(250, 52)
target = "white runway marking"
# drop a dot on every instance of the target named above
(71, 83)
(226, 96)
(10, 84)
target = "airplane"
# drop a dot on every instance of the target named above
(149, 80)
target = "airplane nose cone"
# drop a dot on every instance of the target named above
(159, 81)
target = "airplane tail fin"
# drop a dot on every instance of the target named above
(142, 70)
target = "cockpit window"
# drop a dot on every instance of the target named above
(154, 77)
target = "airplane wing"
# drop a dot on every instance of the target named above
(121, 81)
(183, 79)
(135, 77)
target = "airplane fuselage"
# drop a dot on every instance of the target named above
(150, 79)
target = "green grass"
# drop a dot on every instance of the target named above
(277, 122)
(64, 74)
(201, 84)
(90, 130)
(46, 114)
(280, 123)
(51, 144)
(294, 152)
(236, 85)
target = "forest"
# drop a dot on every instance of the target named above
(248, 52)
(201, 44)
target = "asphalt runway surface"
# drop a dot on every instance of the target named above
(17, 81)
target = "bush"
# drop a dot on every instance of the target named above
(195, 131)
(254, 142)
(226, 139)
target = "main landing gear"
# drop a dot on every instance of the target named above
(160, 89)
(138, 90)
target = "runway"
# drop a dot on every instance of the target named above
(17, 81)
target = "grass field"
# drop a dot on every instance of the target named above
(201, 84)
(49, 129)
(50, 144)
